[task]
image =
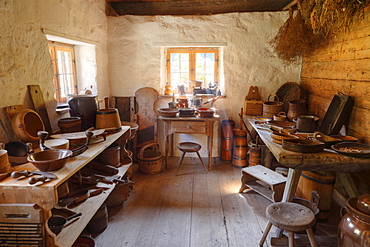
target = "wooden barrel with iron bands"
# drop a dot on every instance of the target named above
(254, 154)
(108, 118)
(240, 148)
(227, 127)
(323, 184)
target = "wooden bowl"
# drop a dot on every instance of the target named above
(205, 112)
(26, 124)
(167, 112)
(303, 146)
(50, 160)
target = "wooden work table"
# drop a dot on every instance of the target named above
(189, 125)
(328, 160)
(45, 196)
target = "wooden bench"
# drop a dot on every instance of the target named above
(264, 181)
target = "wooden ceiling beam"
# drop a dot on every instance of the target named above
(194, 7)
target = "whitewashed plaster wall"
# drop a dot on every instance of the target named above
(24, 55)
(135, 60)
(135, 57)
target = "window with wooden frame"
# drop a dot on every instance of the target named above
(63, 60)
(192, 67)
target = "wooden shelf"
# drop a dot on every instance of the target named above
(46, 195)
(260, 189)
(70, 233)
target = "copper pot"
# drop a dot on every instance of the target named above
(354, 227)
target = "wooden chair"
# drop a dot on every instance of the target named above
(291, 217)
(189, 147)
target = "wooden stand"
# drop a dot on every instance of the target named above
(264, 181)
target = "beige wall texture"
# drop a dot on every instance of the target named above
(24, 55)
(135, 56)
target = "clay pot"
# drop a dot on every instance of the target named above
(296, 108)
(354, 227)
(363, 203)
(85, 107)
(306, 123)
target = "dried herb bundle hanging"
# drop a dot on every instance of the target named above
(335, 16)
(294, 39)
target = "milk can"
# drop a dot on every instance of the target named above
(354, 227)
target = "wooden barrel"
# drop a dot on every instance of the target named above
(99, 221)
(227, 127)
(150, 161)
(323, 184)
(108, 118)
(70, 124)
(254, 154)
(111, 155)
(240, 148)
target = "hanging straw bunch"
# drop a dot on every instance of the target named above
(294, 39)
(335, 16)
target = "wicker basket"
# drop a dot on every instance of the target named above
(272, 108)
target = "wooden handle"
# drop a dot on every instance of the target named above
(155, 146)
(33, 180)
(106, 102)
(241, 118)
(18, 174)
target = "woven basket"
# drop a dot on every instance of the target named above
(272, 108)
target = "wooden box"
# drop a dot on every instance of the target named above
(253, 107)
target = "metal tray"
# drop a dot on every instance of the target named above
(352, 149)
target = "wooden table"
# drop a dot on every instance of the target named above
(328, 160)
(189, 125)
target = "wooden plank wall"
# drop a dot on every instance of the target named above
(343, 66)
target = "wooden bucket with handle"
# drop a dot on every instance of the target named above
(150, 160)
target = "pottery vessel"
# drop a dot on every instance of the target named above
(296, 108)
(354, 227)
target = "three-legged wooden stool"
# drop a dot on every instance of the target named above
(291, 217)
(189, 147)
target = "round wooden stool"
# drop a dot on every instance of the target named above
(291, 217)
(189, 147)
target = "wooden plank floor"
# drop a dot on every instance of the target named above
(194, 209)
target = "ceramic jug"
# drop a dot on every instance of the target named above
(296, 108)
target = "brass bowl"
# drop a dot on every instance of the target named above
(50, 160)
